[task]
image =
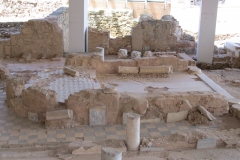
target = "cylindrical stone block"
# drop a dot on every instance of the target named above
(156, 69)
(126, 70)
(133, 131)
(111, 154)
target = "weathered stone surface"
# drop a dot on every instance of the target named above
(156, 69)
(70, 71)
(16, 106)
(33, 116)
(111, 154)
(185, 105)
(232, 101)
(178, 116)
(91, 150)
(151, 149)
(236, 110)
(213, 102)
(81, 102)
(127, 70)
(136, 54)
(97, 116)
(122, 54)
(4, 72)
(39, 100)
(39, 38)
(59, 123)
(133, 103)
(14, 87)
(206, 143)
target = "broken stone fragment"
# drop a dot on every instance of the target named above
(70, 71)
(136, 54)
(128, 70)
(178, 116)
(155, 69)
(185, 105)
(4, 72)
(147, 54)
(111, 154)
(122, 54)
(206, 113)
(206, 143)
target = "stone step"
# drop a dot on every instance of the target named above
(59, 114)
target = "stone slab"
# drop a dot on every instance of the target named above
(206, 143)
(59, 114)
(97, 116)
(178, 116)
(155, 69)
(126, 70)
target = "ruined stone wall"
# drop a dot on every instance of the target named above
(118, 22)
(61, 16)
(98, 38)
(154, 8)
(156, 35)
(41, 38)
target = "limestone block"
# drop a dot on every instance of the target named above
(136, 54)
(111, 154)
(206, 143)
(147, 54)
(128, 70)
(156, 69)
(122, 54)
(175, 117)
(206, 113)
(137, 42)
(39, 100)
(70, 71)
(59, 114)
(59, 123)
(97, 116)
(33, 116)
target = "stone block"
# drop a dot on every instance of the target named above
(14, 87)
(156, 69)
(33, 116)
(97, 116)
(70, 71)
(59, 114)
(136, 54)
(236, 110)
(128, 70)
(111, 154)
(175, 117)
(206, 143)
(122, 54)
(232, 101)
(148, 54)
(109, 89)
(16, 106)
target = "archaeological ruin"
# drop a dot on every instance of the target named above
(81, 69)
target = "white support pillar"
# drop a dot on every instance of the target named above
(78, 25)
(206, 33)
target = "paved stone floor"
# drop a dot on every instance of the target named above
(18, 130)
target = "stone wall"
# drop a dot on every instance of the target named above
(118, 22)
(41, 38)
(156, 35)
